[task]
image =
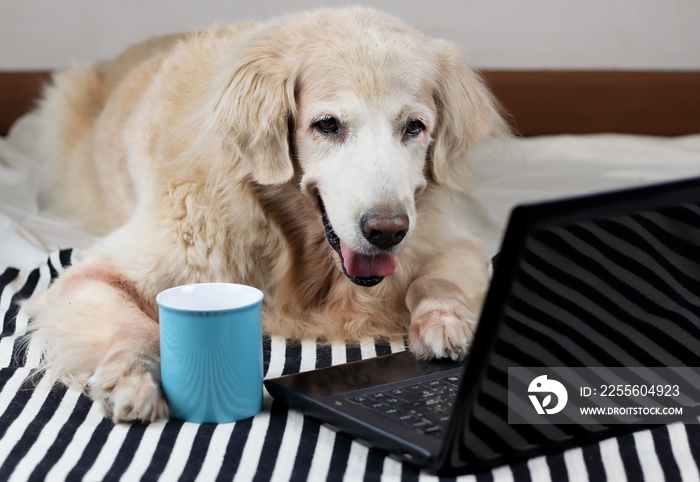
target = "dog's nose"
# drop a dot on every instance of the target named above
(384, 232)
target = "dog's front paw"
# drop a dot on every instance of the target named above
(128, 388)
(441, 329)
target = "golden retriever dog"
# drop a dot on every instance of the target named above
(315, 157)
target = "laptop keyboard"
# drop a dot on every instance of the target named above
(424, 406)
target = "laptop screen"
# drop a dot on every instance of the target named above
(593, 322)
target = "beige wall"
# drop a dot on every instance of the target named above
(495, 34)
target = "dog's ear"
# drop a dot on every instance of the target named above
(255, 107)
(467, 113)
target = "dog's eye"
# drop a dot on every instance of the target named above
(414, 127)
(327, 125)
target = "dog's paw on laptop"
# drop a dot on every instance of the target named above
(128, 388)
(441, 329)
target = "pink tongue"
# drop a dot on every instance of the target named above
(363, 266)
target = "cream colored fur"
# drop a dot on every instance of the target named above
(198, 158)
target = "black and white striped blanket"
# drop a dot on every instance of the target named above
(52, 433)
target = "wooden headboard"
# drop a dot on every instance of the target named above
(539, 102)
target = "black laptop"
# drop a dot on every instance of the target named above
(590, 328)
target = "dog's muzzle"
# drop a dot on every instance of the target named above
(334, 241)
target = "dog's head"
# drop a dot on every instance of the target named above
(364, 113)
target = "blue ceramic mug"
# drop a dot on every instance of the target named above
(211, 351)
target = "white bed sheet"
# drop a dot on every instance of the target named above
(526, 169)
(28, 232)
